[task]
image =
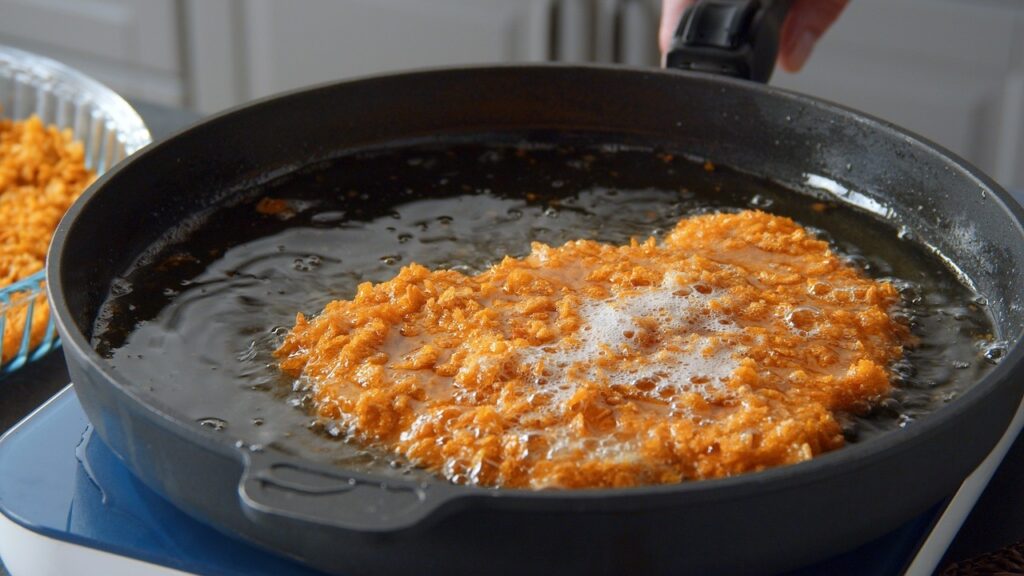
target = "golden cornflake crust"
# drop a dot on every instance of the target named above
(728, 348)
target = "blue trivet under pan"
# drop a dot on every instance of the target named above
(69, 506)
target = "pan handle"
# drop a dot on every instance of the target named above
(731, 37)
(278, 489)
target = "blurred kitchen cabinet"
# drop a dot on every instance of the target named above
(249, 48)
(131, 45)
(290, 44)
(951, 70)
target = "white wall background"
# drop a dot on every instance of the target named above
(952, 70)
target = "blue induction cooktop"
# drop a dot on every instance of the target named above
(59, 481)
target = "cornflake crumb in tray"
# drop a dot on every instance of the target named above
(42, 172)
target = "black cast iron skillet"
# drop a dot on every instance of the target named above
(351, 523)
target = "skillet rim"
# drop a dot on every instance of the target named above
(819, 468)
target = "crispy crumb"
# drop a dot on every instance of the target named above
(42, 171)
(728, 348)
(275, 207)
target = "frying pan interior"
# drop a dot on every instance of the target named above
(795, 140)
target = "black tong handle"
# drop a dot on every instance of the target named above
(731, 37)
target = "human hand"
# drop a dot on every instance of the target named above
(806, 22)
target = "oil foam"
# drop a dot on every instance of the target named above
(663, 339)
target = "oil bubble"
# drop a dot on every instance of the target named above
(328, 217)
(120, 287)
(307, 263)
(994, 352)
(215, 424)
